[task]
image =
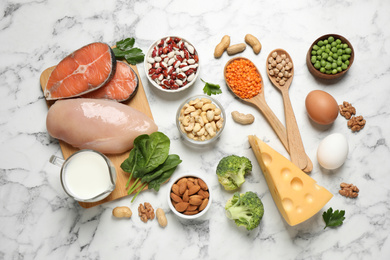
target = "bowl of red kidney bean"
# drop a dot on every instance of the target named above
(172, 64)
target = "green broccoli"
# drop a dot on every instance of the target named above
(245, 209)
(231, 170)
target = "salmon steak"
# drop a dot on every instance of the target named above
(122, 87)
(82, 71)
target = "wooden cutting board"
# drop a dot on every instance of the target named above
(139, 102)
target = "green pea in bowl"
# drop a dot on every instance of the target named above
(330, 57)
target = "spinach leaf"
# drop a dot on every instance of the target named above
(155, 184)
(172, 161)
(124, 50)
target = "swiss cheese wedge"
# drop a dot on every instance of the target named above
(297, 196)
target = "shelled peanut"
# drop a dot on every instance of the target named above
(200, 119)
(190, 195)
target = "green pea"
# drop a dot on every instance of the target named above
(344, 66)
(319, 52)
(319, 57)
(331, 39)
(335, 56)
(317, 65)
(339, 62)
(334, 71)
(313, 53)
(339, 69)
(328, 66)
(334, 65)
(345, 46)
(345, 57)
(323, 63)
(339, 52)
(338, 41)
(322, 69)
(320, 43)
(313, 59)
(328, 71)
(348, 50)
(338, 46)
(327, 50)
(328, 46)
(334, 49)
(324, 55)
(330, 59)
(315, 47)
(325, 42)
(347, 62)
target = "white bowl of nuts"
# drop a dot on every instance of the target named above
(200, 120)
(189, 196)
(172, 64)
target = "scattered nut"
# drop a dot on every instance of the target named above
(243, 119)
(253, 42)
(356, 123)
(194, 199)
(236, 48)
(146, 212)
(222, 46)
(122, 212)
(347, 110)
(348, 190)
(161, 218)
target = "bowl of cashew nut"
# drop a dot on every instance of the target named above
(200, 120)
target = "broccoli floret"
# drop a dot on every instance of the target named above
(231, 170)
(245, 209)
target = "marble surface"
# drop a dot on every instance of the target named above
(38, 221)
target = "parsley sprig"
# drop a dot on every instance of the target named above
(333, 219)
(124, 50)
(211, 89)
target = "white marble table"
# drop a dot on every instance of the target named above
(38, 221)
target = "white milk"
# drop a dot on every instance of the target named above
(87, 175)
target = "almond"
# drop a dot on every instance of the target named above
(194, 189)
(190, 184)
(182, 187)
(175, 189)
(175, 198)
(199, 197)
(182, 180)
(196, 181)
(204, 204)
(186, 198)
(191, 179)
(192, 207)
(195, 201)
(202, 184)
(191, 212)
(181, 206)
(204, 194)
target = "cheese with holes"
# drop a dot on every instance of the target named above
(297, 196)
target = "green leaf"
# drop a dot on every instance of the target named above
(172, 161)
(333, 219)
(125, 44)
(119, 54)
(155, 184)
(134, 56)
(211, 89)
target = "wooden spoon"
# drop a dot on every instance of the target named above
(297, 151)
(259, 102)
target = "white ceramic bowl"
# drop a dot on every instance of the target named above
(199, 143)
(149, 58)
(181, 215)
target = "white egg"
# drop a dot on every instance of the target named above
(332, 151)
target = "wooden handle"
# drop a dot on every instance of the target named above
(277, 126)
(297, 151)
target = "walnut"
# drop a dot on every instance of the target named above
(348, 190)
(356, 123)
(146, 212)
(347, 110)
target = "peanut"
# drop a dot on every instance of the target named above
(222, 46)
(253, 42)
(161, 218)
(237, 48)
(122, 212)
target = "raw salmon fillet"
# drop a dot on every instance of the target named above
(103, 125)
(82, 71)
(121, 87)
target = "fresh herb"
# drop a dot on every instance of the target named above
(149, 162)
(333, 219)
(124, 50)
(211, 89)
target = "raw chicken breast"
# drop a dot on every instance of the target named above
(103, 125)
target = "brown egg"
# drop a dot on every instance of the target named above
(321, 107)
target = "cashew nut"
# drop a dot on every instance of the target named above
(208, 106)
(243, 119)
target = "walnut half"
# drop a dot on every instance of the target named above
(347, 110)
(356, 123)
(348, 190)
(146, 212)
